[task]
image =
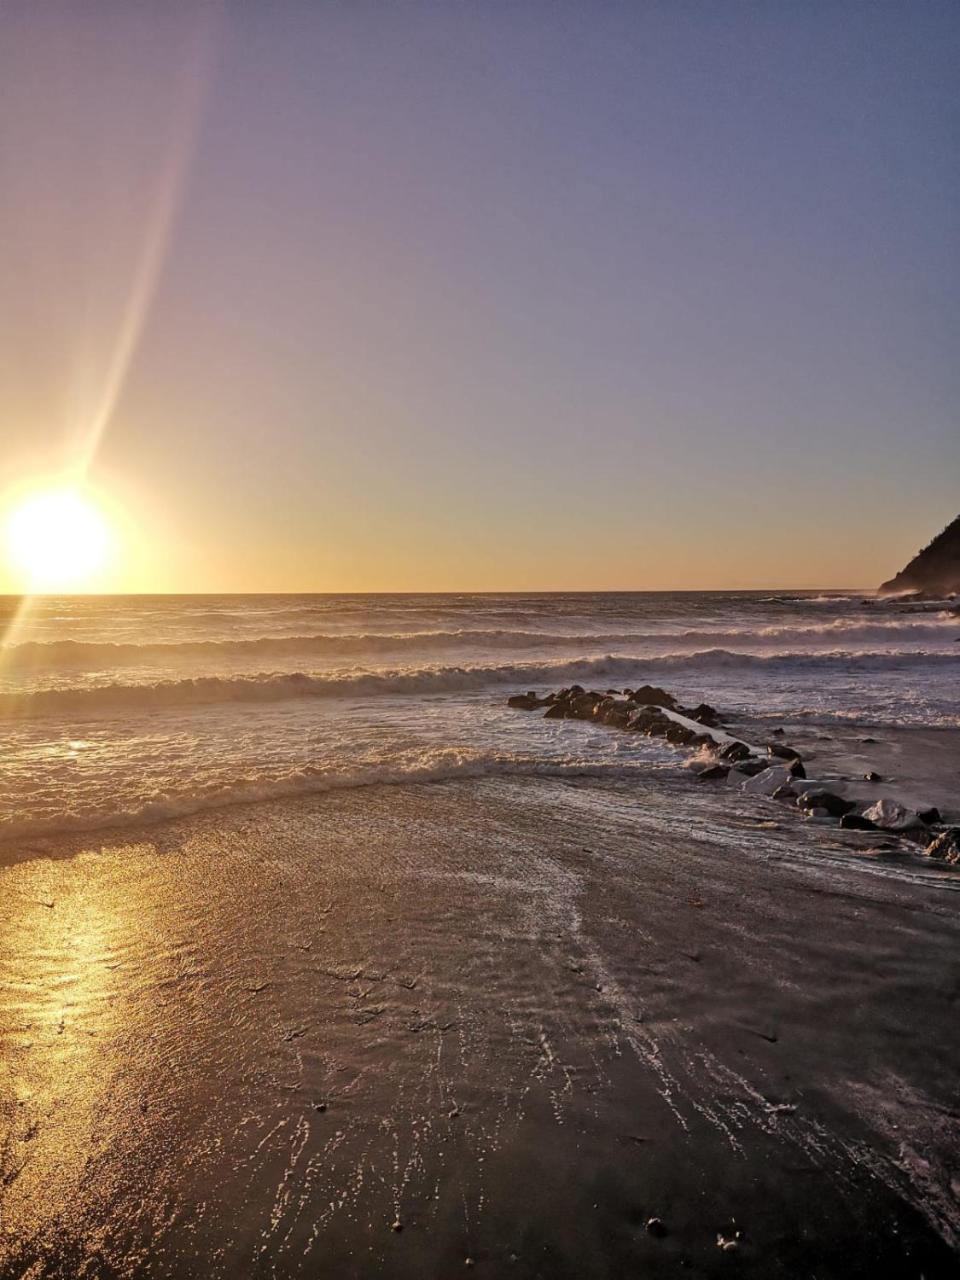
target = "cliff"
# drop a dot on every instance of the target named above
(936, 569)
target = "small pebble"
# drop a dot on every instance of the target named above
(656, 1228)
(397, 1225)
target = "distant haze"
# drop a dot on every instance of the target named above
(390, 296)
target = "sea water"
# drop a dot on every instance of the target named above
(116, 710)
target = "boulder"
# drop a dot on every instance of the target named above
(818, 798)
(650, 695)
(713, 773)
(735, 751)
(616, 714)
(946, 846)
(679, 734)
(930, 817)
(705, 714)
(768, 782)
(649, 720)
(891, 815)
(782, 750)
(752, 767)
(857, 822)
(583, 706)
(556, 711)
(526, 701)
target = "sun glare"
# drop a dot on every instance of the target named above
(57, 540)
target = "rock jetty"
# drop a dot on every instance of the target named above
(774, 769)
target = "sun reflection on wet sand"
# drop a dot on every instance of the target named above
(62, 942)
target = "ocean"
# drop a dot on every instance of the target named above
(120, 710)
(373, 1027)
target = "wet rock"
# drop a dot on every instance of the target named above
(614, 713)
(656, 1227)
(816, 798)
(785, 793)
(946, 846)
(769, 781)
(735, 751)
(857, 822)
(679, 734)
(752, 768)
(782, 750)
(929, 817)
(653, 696)
(525, 701)
(649, 720)
(557, 711)
(891, 815)
(713, 773)
(872, 777)
(705, 714)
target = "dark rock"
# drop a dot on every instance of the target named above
(752, 767)
(583, 706)
(679, 734)
(526, 701)
(946, 846)
(713, 773)
(782, 750)
(872, 777)
(557, 711)
(786, 794)
(930, 817)
(651, 696)
(705, 714)
(833, 804)
(796, 768)
(867, 741)
(735, 751)
(857, 822)
(778, 733)
(650, 720)
(656, 1228)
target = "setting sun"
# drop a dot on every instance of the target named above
(57, 540)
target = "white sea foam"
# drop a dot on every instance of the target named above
(442, 766)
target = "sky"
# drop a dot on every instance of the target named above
(484, 296)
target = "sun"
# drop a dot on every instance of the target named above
(57, 540)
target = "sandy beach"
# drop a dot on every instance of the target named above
(489, 1024)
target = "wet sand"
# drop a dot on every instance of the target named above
(411, 1031)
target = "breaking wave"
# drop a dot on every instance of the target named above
(36, 653)
(440, 766)
(272, 687)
